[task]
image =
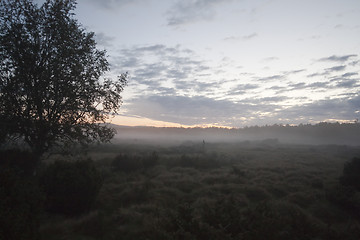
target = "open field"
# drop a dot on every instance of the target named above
(245, 190)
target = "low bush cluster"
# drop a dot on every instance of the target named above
(132, 163)
(351, 174)
(71, 188)
(21, 199)
(346, 194)
(226, 218)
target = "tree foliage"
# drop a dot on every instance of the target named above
(52, 84)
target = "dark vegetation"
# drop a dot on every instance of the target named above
(195, 190)
(244, 190)
(21, 199)
(71, 188)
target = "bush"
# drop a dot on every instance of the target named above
(23, 162)
(126, 163)
(351, 174)
(346, 197)
(71, 188)
(151, 160)
(132, 163)
(20, 197)
(197, 161)
(279, 220)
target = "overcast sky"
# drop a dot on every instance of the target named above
(231, 62)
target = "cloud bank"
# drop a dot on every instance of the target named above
(173, 84)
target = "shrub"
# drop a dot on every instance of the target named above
(346, 197)
(317, 183)
(71, 188)
(151, 160)
(23, 162)
(132, 163)
(223, 214)
(351, 174)
(198, 162)
(126, 163)
(279, 220)
(20, 197)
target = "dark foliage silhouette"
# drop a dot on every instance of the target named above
(151, 160)
(23, 162)
(20, 197)
(51, 86)
(131, 163)
(351, 174)
(71, 188)
(346, 195)
(127, 163)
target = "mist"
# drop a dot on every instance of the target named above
(318, 134)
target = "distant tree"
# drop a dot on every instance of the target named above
(52, 89)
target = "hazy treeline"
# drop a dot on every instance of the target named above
(321, 133)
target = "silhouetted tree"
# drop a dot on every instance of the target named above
(52, 89)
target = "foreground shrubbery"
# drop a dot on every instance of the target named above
(251, 193)
(351, 174)
(20, 197)
(71, 188)
(346, 194)
(226, 218)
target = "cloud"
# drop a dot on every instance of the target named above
(271, 78)
(188, 11)
(180, 109)
(335, 58)
(318, 85)
(113, 4)
(349, 74)
(341, 108)
(265, 100)
(172, 84)
(294, 72)
(335, 69)
(269, 59)
(297, 86)
(242, 89)
(354, 63)
(328, 71)
(245, 37)
(195, 110)
(200, 110)
(316, 74)
(347, 83)
(154, 66)
(104, 40)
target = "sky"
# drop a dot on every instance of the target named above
(230, 63)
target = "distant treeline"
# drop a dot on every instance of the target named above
(321, 133)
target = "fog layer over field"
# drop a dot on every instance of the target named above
(322, 133)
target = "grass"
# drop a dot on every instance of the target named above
(230, 191)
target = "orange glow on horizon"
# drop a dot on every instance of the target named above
(133, 121)
(141, 121)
